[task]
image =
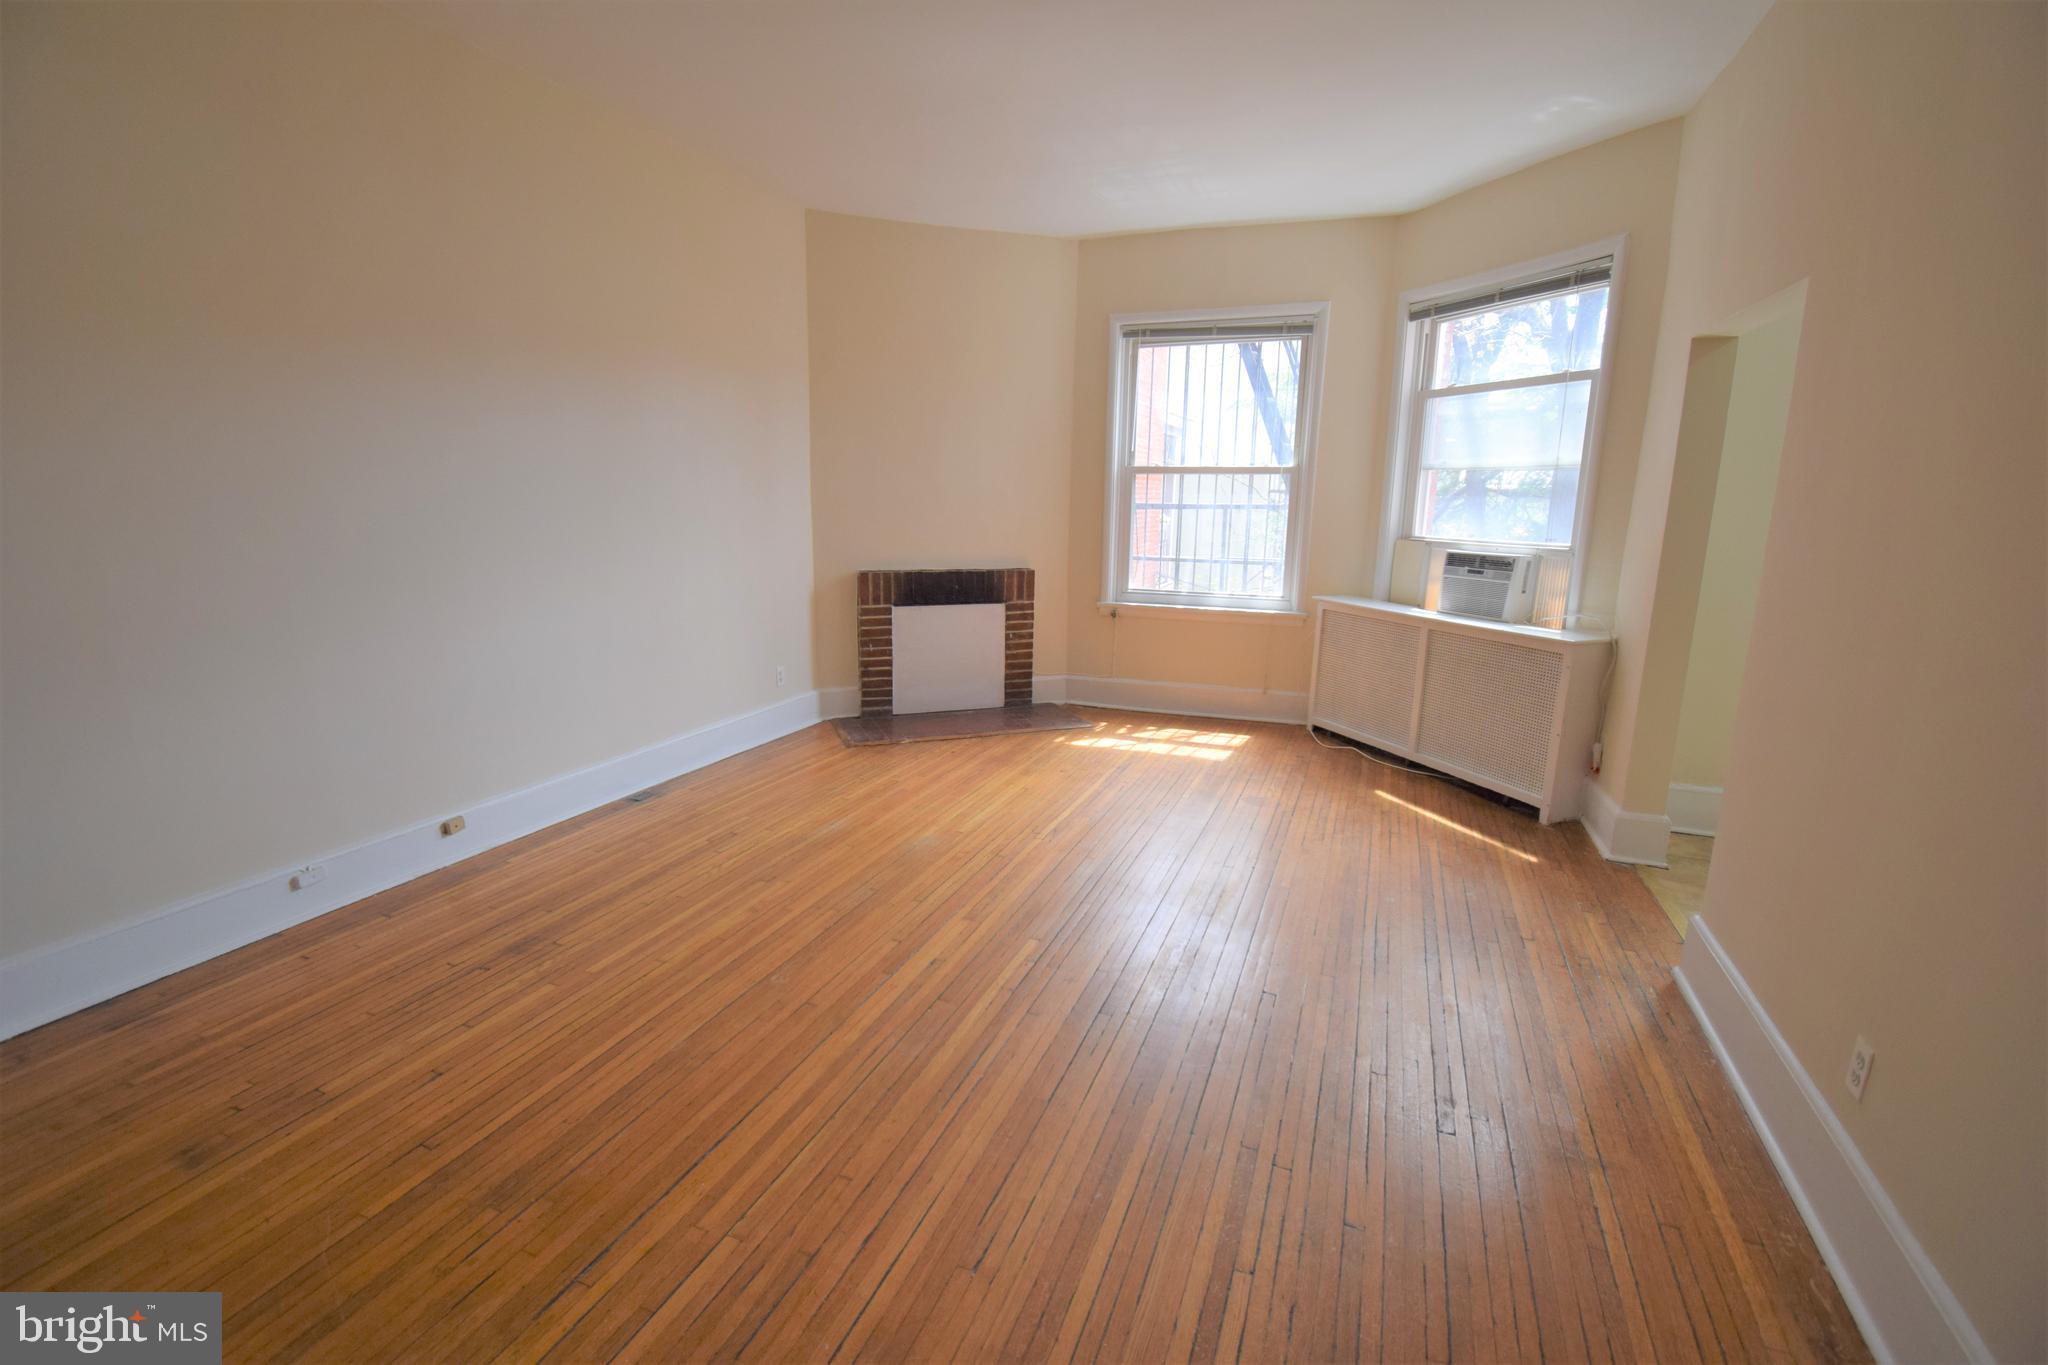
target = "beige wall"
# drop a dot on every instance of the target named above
(1343, 262)
(1622, 185)
(385, 430)
(942, 379)
(1882, 868)
(1754, 435)
(1360, 266)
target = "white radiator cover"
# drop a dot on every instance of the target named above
(1511, 708)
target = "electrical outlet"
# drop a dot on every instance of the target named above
(454, 824)
(781, 675)
(307, 876)
(1859, 1068)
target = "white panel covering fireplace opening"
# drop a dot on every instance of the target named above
(948, 658)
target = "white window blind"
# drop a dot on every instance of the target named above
(1508, 377)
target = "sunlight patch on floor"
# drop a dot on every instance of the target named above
(1178, 741)
(1465, 830)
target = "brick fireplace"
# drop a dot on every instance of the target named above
(881, 591)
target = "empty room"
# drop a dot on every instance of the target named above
(776, 680)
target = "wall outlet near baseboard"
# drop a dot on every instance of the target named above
(1859, 1068)
(781, 675)
(307, 876)
(454, 824)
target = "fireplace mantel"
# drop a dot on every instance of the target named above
(881, 591)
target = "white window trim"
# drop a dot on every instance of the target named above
(1117, 505)
(1403, 426)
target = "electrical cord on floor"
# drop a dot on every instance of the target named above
(1371, 757)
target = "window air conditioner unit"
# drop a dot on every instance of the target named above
(1491, 587)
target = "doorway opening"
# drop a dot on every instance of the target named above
(1755, 366)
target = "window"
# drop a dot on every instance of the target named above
(1503, 386)
(1211, 436)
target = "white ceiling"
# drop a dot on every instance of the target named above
(1093, 116)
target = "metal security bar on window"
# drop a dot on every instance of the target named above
(1210, 456)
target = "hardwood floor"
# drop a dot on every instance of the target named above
(1162, 1040)
(1681, 889)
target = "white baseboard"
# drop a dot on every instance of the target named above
(1185, 699)
(48, 983)
(1694, 810)
(1899, 1299)
(1625, 836)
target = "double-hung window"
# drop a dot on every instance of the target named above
(1211, 434)
(1503, 387)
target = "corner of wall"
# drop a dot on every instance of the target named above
(1625, 836)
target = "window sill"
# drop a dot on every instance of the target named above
(1496, 547)
(1165, 612)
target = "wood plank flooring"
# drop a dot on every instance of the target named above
(931, 725)
(1163, 1040)
(1681, 888)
